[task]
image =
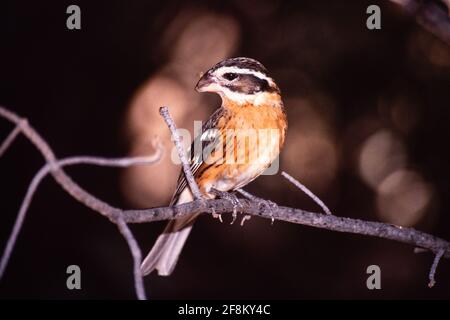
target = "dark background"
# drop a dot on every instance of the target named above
(75, 88)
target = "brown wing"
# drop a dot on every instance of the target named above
(206, 141)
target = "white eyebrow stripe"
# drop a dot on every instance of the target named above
(222, 70)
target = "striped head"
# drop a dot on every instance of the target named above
(240, 80)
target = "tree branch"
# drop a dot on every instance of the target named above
(42, 173)
(308, 192)
(437, 257)
(54, 167)
(181, 153)
(21, 217)
(298, 216)
(9, 139)
(121, 218)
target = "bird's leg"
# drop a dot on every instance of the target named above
(230, 197)
(262, 203)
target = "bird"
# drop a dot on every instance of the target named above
(251, 102)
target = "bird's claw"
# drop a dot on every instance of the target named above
(217, 215)
(234, 215)
(245, 218)
(270, 206)
(232, 198)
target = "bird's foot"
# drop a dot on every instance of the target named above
(232, 198)
(270, 206)
(262, 204)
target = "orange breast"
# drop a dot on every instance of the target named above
(252, 137)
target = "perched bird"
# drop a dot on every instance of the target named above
(251, 101)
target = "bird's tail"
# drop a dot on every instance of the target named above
(167, 248)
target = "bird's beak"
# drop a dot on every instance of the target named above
(207, 83)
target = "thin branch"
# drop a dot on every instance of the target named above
(9, 139)
(137, 257)
(40, 175)
(21, 217)
(112, 213)
(117, 162)
(308, 192)
(313, 219)
(248, 195)
(268, 203)
(66, 182)
(120, 217)
(181, 153)
(437, 257)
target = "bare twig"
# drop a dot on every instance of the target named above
(318, 220)
(9, 139)
(40, 175)
(267, 203)
(437, 257)
(307, 191)
(248, 207)
(53, 166)
(21, 217)
(115, 162)
(181, 153)
(252, 197)
(246, 194)
(137, 257)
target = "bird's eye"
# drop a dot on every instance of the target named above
(230, 76)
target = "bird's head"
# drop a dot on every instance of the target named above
(239, 80)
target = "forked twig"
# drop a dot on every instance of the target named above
(120, 217)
